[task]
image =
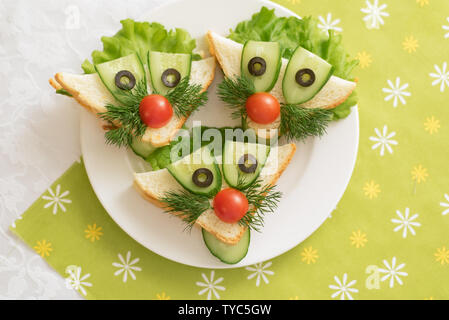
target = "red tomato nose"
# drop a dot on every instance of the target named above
(155, 111)
(263, 108)
(230, 205)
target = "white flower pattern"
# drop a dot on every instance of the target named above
(126, 266)
(343, 289)
(396, 92)
(445, 204)
(446, 28)
(260, 272)
(76, 280)
(210, 285)
(383, 140)
(393, 272)
(441, 75)
(405, 222)
(56, 199)
(374, 14)
(329, 24)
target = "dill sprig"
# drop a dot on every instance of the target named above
(262, 200)
(125, 117)
(185, 98)
(235, 92)
(185, 205)
(298, 123)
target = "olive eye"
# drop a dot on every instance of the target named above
(171, 78)
(305, 77)
(125, 80)
(257, 66)
(203, 177)
(248, 163)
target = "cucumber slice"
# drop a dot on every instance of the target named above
(305, 61)
(160, 62)
(253, 67)
(185, 171)
(234, 153)
(227, 253)
(108, 72)
(142, 149)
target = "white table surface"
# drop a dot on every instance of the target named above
(39, 135)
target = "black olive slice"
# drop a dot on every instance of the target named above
(305, 77)
(248, 163)
(125, 85)
(257, 66)
(170, 78)
(202, 177)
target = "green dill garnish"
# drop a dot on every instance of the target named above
(185, 205)
(298, 123)
(235, 92)
(185, 98)
(126, 116)
(262, 200)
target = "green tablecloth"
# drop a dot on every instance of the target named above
(388, 238)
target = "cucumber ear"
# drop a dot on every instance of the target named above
(251, 157)
(168, 69)
(261, 63)
(112, 73)
(199, 166)
(305, 75)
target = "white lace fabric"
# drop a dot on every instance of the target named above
(39, 130)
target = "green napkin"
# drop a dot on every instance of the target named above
(388, 237)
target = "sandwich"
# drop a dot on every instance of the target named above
(152, 74)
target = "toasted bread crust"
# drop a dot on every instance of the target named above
(212, 50)
(54, 84)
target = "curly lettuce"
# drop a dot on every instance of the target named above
(141, 37)
(291, 32)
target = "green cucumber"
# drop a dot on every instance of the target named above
(227, 253)
(233, 153)
(109, 70)
(261, 63)
(161, 62)
(142, 149)
(185, 171)
(305, 61)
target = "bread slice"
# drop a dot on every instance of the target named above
(90, 92)
(154, 184)
(229, 53)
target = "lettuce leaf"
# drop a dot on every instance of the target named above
(291, 32)
(140, 37)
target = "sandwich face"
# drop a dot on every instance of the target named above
(90, 92)
(330, 92)
(155, 185)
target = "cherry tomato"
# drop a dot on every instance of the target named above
(263, 108)
(155, 111)
(230, 205)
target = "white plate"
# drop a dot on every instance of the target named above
(312, 184)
